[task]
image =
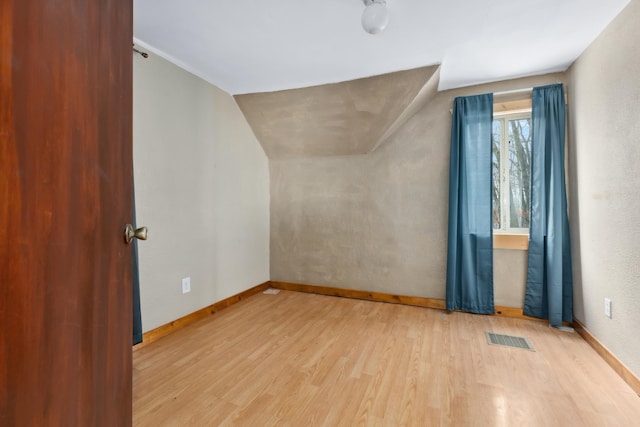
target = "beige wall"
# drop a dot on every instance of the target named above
(343, 118)
(202, 188)
(604, 155)
(378, 222)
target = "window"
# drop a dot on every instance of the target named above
(511, 173)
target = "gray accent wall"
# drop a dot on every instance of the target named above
(202, 188)
(378, 222)
(604, 95)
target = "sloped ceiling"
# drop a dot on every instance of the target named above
(351, 117)
(301, 70)
(248, 46)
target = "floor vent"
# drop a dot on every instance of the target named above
(509, 341)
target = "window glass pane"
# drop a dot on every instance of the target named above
(519, 172)
(497, 131)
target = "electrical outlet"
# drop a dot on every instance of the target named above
(186, 285)
(607, 307)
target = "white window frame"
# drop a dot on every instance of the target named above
(505, 190)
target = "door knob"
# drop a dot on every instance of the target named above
(138, 233)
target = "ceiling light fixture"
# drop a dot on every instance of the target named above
(375, 16)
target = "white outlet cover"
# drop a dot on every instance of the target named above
(186, 285)
(607, 307)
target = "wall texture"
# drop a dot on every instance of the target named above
(605, 184)
(202, 188)
(378, 222)
(343, 118)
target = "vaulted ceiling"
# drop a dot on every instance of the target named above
(245, 46)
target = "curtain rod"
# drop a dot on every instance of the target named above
(523, 90)
(509, 92)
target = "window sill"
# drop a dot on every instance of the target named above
(511, 241)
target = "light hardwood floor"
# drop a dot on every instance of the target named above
(295, 359)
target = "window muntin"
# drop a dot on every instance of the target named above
(511, 173)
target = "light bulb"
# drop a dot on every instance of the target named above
(375, 16)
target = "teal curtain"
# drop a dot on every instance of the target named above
(549, 291)
(470, 248)
(137, 315)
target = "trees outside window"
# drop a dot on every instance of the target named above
(511, 173)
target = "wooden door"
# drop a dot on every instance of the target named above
(65, 196)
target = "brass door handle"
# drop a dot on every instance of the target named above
(139, 233)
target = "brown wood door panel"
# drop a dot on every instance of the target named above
(65, 195)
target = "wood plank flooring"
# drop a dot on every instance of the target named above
(296, 359)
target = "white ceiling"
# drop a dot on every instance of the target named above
(246, 46)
